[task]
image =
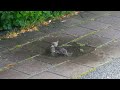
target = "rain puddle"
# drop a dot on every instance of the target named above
(75, 48)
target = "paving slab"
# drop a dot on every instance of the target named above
(47, 75)
(71, 22)
(110, 50)
(24, 52)
(100, 12)
(31, 35)
(39, 44)
(94, 25)
(77, 31)
(85, 16)
(109, 33)
(82, 17)
(52, 60)
(110, 70)
(9, 43)
(53, 27)
(78, 50)
(5, 63)
(3, 49)
(32, 67)
(21, 39)
(61, 37)
(94, 40)
(109, 20)
(12, 74)
(90, 59)
(115, 27)
(69, 69)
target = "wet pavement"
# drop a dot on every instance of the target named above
(95, 32)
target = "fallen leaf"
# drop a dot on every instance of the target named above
(76, 13)
(63, 21)
(9, 65)
(45, 23)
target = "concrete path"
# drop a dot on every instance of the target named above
(24, 57)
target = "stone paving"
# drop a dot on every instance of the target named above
(24, 57)
(110, 70)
